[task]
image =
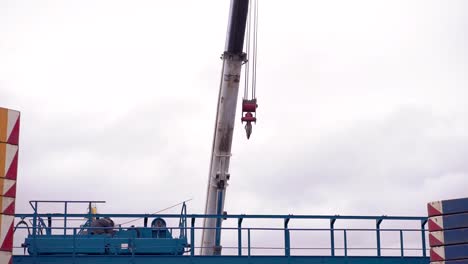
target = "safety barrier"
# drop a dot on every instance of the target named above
(245, 243)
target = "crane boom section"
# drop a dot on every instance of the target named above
(233, 58)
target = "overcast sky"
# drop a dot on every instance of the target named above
(362, 104)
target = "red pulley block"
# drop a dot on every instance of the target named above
(249, 105)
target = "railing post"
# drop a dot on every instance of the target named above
(35, 229)
(248, 241)
(379, 221)
(423, 236)
(74, 244)
(345, 243)
(332, 236)
(287, 242)
(239, 236)
(90, 215)
(192, 237)
(49, 225)
(401, 243)
(35, 220)
(65, 219)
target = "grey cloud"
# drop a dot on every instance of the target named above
(369, 166)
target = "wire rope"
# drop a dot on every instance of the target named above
(255, 52)
(247, 47)
(162, 210)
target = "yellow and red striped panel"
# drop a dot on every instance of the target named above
(6, 232)
(7, 188)
(7, 205)
(9, 139)
(8, 161)
(7, 217)
(8, 172)
(9, 126)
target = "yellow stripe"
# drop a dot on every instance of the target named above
(2, 159)
(3, 124)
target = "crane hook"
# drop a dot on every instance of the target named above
(248, 129)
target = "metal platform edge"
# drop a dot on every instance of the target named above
(217, 259)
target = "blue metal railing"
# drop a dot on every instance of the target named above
(191, 232)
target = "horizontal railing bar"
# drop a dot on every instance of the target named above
(233, 247)
(235, 228)
(347, 217)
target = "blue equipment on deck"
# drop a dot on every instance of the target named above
(99, 236)
(54, 240)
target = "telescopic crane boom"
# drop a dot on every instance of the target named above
(233, 58)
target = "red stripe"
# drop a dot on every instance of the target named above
(13, 169)
(11, 192)
(431, 211)
(10, 210)
(14, 135)
(433, 241)
(8, 242)
(433, 226)
(435, 256)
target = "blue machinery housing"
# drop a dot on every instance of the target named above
(51, 239)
